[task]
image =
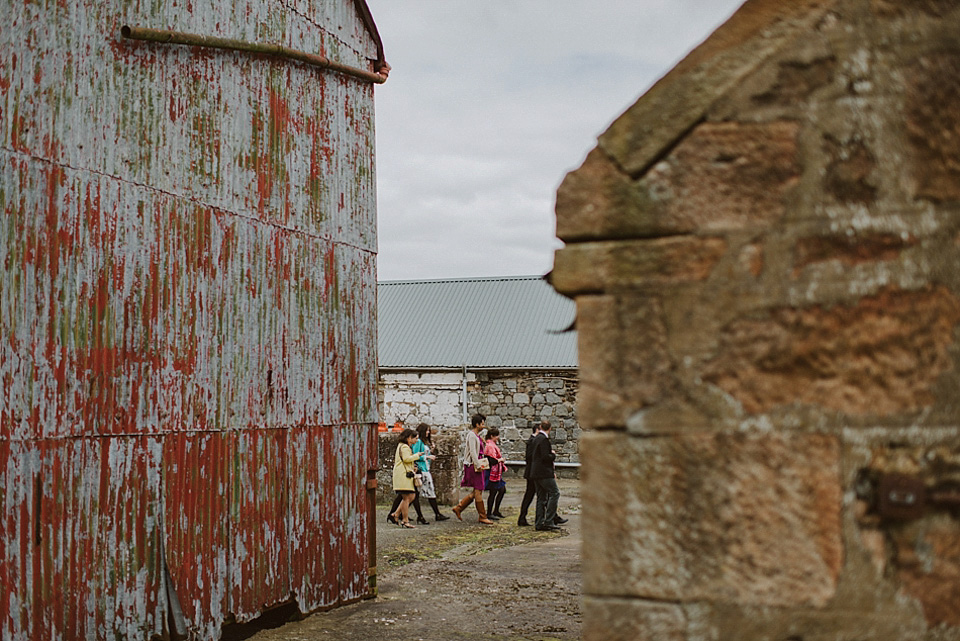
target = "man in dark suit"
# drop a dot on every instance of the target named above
(545, 478)
(531, 490)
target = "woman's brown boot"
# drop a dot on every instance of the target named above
(482, 511)
(462, 505)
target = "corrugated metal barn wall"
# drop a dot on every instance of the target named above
(187, 307)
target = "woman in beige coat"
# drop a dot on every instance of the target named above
(403, 475)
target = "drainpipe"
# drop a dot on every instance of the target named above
(464, 394)
(197, 40)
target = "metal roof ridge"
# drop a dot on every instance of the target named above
(465, 279)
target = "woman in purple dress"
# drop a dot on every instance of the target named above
(473, 466)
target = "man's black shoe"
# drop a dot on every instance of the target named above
(442, 517)
(559, 521)
(549, 528)
(522, 522)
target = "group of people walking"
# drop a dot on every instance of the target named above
(412, 478)
(483, 469)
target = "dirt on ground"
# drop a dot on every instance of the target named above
(458, 581)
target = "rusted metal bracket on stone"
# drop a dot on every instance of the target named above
(178, 37)
(903, 497)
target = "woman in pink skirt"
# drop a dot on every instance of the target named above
(473, 470)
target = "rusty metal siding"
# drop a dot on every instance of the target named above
(314, 548)
(258, 532)
(137, 336)
(80, 537)
(196, 486)
(187, 317)
(352, 497)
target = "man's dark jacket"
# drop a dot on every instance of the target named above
(528, 456)
(541, 462)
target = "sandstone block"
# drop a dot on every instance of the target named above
(928, 561)
(612, 619)
(624, 360)
(932, 121)
(896, 8)
(880, 356)
(748, 518)
(726, 176)
(850, 250)
(595, 267)
(797, 79)
(848, 625)
(600, 403)
(599, 201)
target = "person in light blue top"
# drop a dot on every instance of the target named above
(427, 489)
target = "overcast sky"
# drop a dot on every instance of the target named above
(490, 103)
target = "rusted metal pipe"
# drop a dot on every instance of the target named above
(196, 40)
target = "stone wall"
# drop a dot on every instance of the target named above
(445, 469)
(765, 255)
(515, 402)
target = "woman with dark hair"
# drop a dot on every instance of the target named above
(496, 486)
(403, 477)
(473, 465)
(424, 446)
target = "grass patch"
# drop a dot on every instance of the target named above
(474, 540)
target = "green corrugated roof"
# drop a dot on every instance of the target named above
(506, 322)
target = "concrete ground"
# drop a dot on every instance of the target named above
(460, 581)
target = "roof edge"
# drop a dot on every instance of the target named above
(465, 279)
(485, 368)
(380, 64)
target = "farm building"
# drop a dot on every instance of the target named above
(501, 346)
(187, 304)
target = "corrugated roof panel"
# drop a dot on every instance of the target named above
(509, 322)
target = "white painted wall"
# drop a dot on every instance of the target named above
(429, 397)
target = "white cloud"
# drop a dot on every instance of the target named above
(489, 104)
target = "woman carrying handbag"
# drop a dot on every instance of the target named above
(474, 463)
(404, 472)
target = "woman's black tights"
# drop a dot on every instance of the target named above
(494, 498)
